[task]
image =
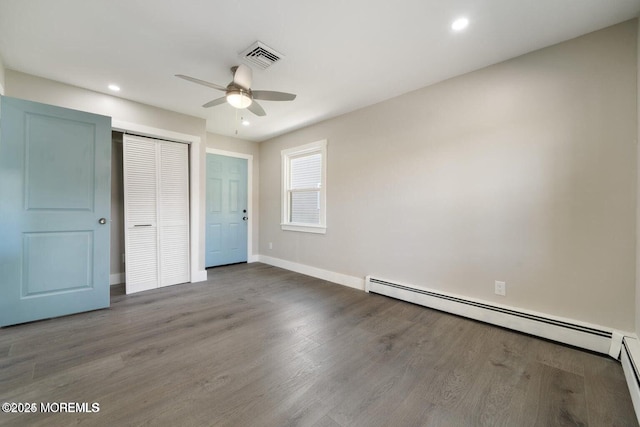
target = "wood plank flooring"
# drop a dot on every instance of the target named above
(260, 346)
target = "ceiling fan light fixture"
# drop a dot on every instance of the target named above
(239, 99)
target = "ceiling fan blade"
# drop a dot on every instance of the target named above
(256, 109)
(215, 102)
(201, 82)
(242, 76)
(270, 95)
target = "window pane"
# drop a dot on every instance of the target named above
(306, 171)
(303, 192)
(305, 207)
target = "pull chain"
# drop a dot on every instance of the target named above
(236, 121)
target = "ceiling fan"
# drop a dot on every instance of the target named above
(238, 93)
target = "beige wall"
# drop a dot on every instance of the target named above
(34, 88)
(117, 204)
(524, 171)
(236, 145)
(37, 89)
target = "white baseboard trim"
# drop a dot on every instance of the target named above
(629, 357)
(568, 331)
(253, 258)
(199, 276)
(116, 279)
(319, 273)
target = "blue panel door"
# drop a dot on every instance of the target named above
(226, 239)
(55, 169)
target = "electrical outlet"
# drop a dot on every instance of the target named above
(270, 245)
(501, 288)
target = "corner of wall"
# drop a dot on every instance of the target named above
(637, 295)
(1, 76)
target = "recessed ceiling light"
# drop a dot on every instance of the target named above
(114, 88)
(246, 122)
(459, 24)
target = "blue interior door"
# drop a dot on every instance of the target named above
(226, 240)
(55, 169)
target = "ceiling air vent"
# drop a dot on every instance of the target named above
(260, 55)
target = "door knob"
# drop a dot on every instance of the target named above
(102, 220)
(244, 218)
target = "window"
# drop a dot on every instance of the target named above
(303, 188)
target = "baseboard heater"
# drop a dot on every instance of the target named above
(629, 355)
(579, 334)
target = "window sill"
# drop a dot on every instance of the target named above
(317, 229)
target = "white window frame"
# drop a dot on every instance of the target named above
(286, 155)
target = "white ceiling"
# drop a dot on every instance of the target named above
(340, 55)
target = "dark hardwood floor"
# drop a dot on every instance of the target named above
(260, 346)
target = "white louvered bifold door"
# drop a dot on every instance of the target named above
(140, 213)
(173, 213)
(156, 199)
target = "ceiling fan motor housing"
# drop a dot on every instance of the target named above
(242, 76)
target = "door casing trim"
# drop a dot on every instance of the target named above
(197, 275)
(249, 157)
